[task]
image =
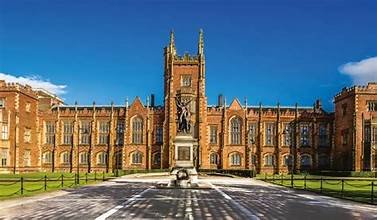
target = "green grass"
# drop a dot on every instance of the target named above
(34, 183)
(356, 189)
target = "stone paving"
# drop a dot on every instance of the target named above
(228, 198)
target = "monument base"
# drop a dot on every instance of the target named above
(189, 182)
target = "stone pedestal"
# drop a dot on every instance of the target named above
(184, 160)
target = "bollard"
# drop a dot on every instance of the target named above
(22, 185)
(342, 187)
(372, 193)
(45, 182)
(292, 181)
(305, 182)
(62, 183)
(321, 184)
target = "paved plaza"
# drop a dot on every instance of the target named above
(225, 198)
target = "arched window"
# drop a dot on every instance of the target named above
(137, 130)
(269, 160)
(214, 158)
(323, 161)
(287, 160)
(157, 159)
(101, 158)
(306, 161)
(235, 159)
(64, 157)
(136, 157)
(47, 157)
(235, 131)
(84, 158)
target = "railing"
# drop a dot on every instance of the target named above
(11, 186)
(357, 189)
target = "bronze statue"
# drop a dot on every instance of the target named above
(184, 123)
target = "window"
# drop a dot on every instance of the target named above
(159, 135)
(287, 160)
(50, 132)
(120, 132)
(214, 158)
(4, 157)
(374, 135)
(287, 135)
(137, 157)
(322, 130)
(2, 102)
(213, 134)
(4, 132)
(252, 133)
(253, 159)
(67, 132)
(85, 132)
(137, 131)
(28, 107)
(344, 109)
(372, 106)
(186, 80)
(305, 160)
(27, 135)
(270, 132)
(102, 158)
(304, 135)
(103, 131)
(269, 160)
(84, 156)
(64, 157)
(367, 133)
(344, 136)
(235, 131)
(157, 159)
(235, 159)
(47, 157)
(27, 158)
(323, 160)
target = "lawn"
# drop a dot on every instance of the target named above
(357, 189)
(26, 184)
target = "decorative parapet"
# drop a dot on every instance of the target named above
(11, 87)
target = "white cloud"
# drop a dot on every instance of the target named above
(36, 82)
(361, 72)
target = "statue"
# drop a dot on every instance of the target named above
(184, 124)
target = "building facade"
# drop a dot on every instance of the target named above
(40, 132)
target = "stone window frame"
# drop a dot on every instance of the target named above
(287, 134)
(136, 157)
(101, 158)
(4, 155)
(323, 134)
(83, 157)
(28, 107)
(159, 134)
(186, 80)
(67, 132)
(235, 130)
(119, 131)
(372, 105)
(269, 160)
(270, 133)
(103, 132)
(27, 158)
(2, 102)
(65, 157)
(235, 159)
(27, 135)
(155, 160)
(304, 134)
(85, 131)
(4, 131)
(213, 134)
(47, 157)
(252, 132)
(137, 123)
(49, 132)
(305, 155)
(287, 160)
(214, 158)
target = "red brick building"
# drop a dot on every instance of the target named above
(39, 132)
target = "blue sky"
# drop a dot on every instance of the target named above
(268, 51)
